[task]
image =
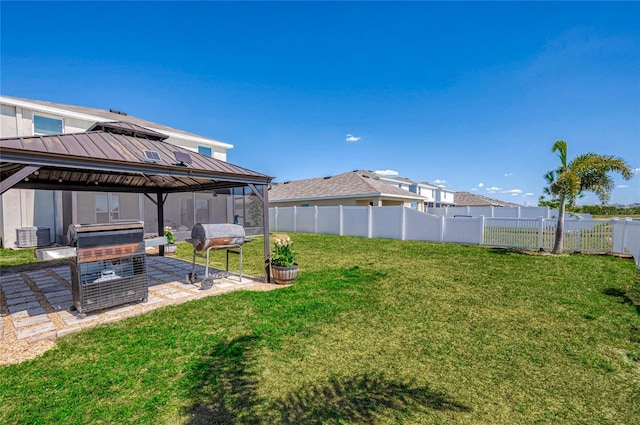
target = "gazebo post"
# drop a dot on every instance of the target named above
(160, 209)
(263, 195)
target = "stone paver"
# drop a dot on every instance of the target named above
(28, 310)
(30, 320)
(178, 294)
(35, 330)
(24, 306)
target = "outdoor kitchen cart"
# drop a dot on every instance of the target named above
(207, 237)
(109, 267)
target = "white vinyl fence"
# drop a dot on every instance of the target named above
(501, 212)
(581, 235)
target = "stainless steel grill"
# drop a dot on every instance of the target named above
(109, 267)
(207, 237)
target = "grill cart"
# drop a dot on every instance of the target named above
(109, 267)
(205, 237)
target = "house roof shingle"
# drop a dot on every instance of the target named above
(345, 185)
(467, 199)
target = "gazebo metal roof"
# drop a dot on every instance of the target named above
(111, 158)
(106, 161)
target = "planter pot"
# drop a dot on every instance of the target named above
(284, 275)
(170, 249)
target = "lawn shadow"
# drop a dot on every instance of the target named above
(513, 251)
(223, 391)
(359, 400)
(223, 386)
(624, 297)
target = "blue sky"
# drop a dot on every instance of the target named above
(470, 95)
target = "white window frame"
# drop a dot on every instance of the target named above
(205, 147)
(33, 124)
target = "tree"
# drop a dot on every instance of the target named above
(587, 172)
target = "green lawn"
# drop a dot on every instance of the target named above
(11, 257)
(373, 332)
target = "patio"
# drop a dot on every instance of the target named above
(34, 305)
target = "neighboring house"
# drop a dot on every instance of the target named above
(353, 188)
(430, 192)
(399, 182)
(21, 208)
(445, 197)
(466, 199)
(435, 196)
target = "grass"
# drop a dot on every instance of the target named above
(373, 331)
(10, 257)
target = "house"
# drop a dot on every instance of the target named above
(55, 209)
(353, 188)
(445, 197)
(435, 196)
(467, 199)
(26, 117)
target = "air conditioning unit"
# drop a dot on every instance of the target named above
(29, 237)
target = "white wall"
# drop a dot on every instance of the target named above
(27, 208)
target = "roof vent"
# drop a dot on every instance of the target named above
(115, 111)
(326, 178)
(152, 156)
(365, 176)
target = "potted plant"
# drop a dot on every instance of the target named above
(170, 247)
(284, 268)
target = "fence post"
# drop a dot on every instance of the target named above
(403, 223)
(275, 217)
(613, 234)
(370, 222)
(341, 231)
(481, 230)
(295, 218)
(540, 230)
(441, 228)
(624, 234)
(315, 219)
(614, 244)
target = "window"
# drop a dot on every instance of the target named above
(107, 208)
(102, 208)
(204, 150)
(304, 205)
(202, 211)
(46, 125)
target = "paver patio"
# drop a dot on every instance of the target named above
(35, 305)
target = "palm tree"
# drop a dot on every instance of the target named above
(587, 172)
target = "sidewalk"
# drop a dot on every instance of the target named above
(34, 305)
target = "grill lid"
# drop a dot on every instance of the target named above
(204, 236)
(105, 233)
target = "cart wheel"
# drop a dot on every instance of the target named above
(192, 278)
(82, 315)
(144, 300)
(207, 283)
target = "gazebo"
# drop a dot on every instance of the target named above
(123, 157)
